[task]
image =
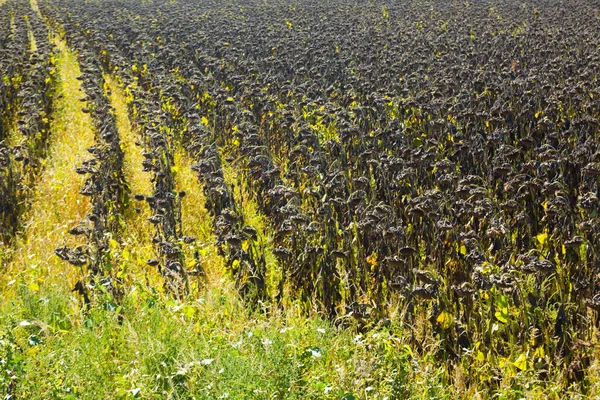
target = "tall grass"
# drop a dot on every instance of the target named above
(56, 204)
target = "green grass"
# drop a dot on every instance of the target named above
(211, 347)
(254, 218)
(32, 42)
(135, 247)
(206, 348)
(56, 204)
(196, 222)
(35, 7)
